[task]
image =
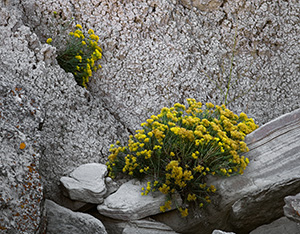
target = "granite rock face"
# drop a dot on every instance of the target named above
(21, 190)
(292, 207)
(157, 53)
(64, 221)
(75, 128)
(127, 203)
(257, 197)
(86, 183)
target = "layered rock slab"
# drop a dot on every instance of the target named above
(247, 201)
(147, 227)
(64, 221)
(127, 203)
(86, 183)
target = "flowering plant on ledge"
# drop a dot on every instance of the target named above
(79, 55)
(180, 147)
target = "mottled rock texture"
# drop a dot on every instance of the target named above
(21, 191)
(157, 53)
(64, 221)
(75, 128)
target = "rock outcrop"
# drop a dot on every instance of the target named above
(242, 203)
(75, 128)
(64, 221)
(157, 53)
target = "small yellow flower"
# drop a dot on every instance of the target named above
(184, 212)
(78, 26)
(91, 31)
(83, 43)
(76, 35)
(79, 58)
(49, 40)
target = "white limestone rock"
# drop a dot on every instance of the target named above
(64, 221)
(127, 203)
(292, 207)
(86, 183)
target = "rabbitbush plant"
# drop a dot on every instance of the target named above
(180, 147)
(80, 54)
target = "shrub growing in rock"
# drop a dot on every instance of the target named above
(80, 54)
(180, 147)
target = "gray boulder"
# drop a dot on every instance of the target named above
(64, 221)
(280, 226)
(292, 207)
(127, 203)
(86, 183)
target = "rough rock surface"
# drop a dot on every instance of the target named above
(86, 183)
(75, 127)
(292, 207)
(221, 232)
(127, 203)
(257, 197)
(21, 191)
(279, 226)
(147, 227)
(157, 53)
(64, 221)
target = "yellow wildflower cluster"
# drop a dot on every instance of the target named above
(80, 55)
(181, 146)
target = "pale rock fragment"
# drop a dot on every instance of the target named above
(86, 183)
